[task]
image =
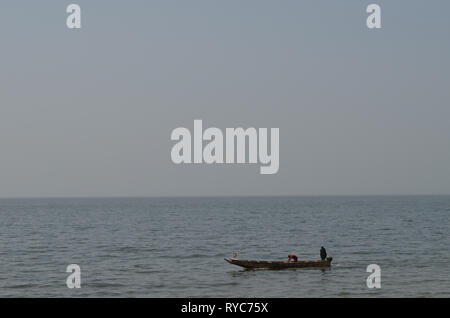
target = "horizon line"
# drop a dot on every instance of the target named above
(218, 196)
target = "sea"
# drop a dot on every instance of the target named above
(175, 247)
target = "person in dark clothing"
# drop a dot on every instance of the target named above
(292, 257)
(323, 253)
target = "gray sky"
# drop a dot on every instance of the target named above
(90, 112)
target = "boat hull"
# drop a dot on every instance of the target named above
(253, 264)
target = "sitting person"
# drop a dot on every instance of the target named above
(292, 257)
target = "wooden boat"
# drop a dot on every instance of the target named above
(252, 264)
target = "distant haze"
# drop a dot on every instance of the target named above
(89, 112)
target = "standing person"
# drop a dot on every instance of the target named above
(323, 253)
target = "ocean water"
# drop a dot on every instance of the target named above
(175, 247)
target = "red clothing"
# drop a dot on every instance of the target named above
(293, 257)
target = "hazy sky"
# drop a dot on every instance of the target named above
(89, 112)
